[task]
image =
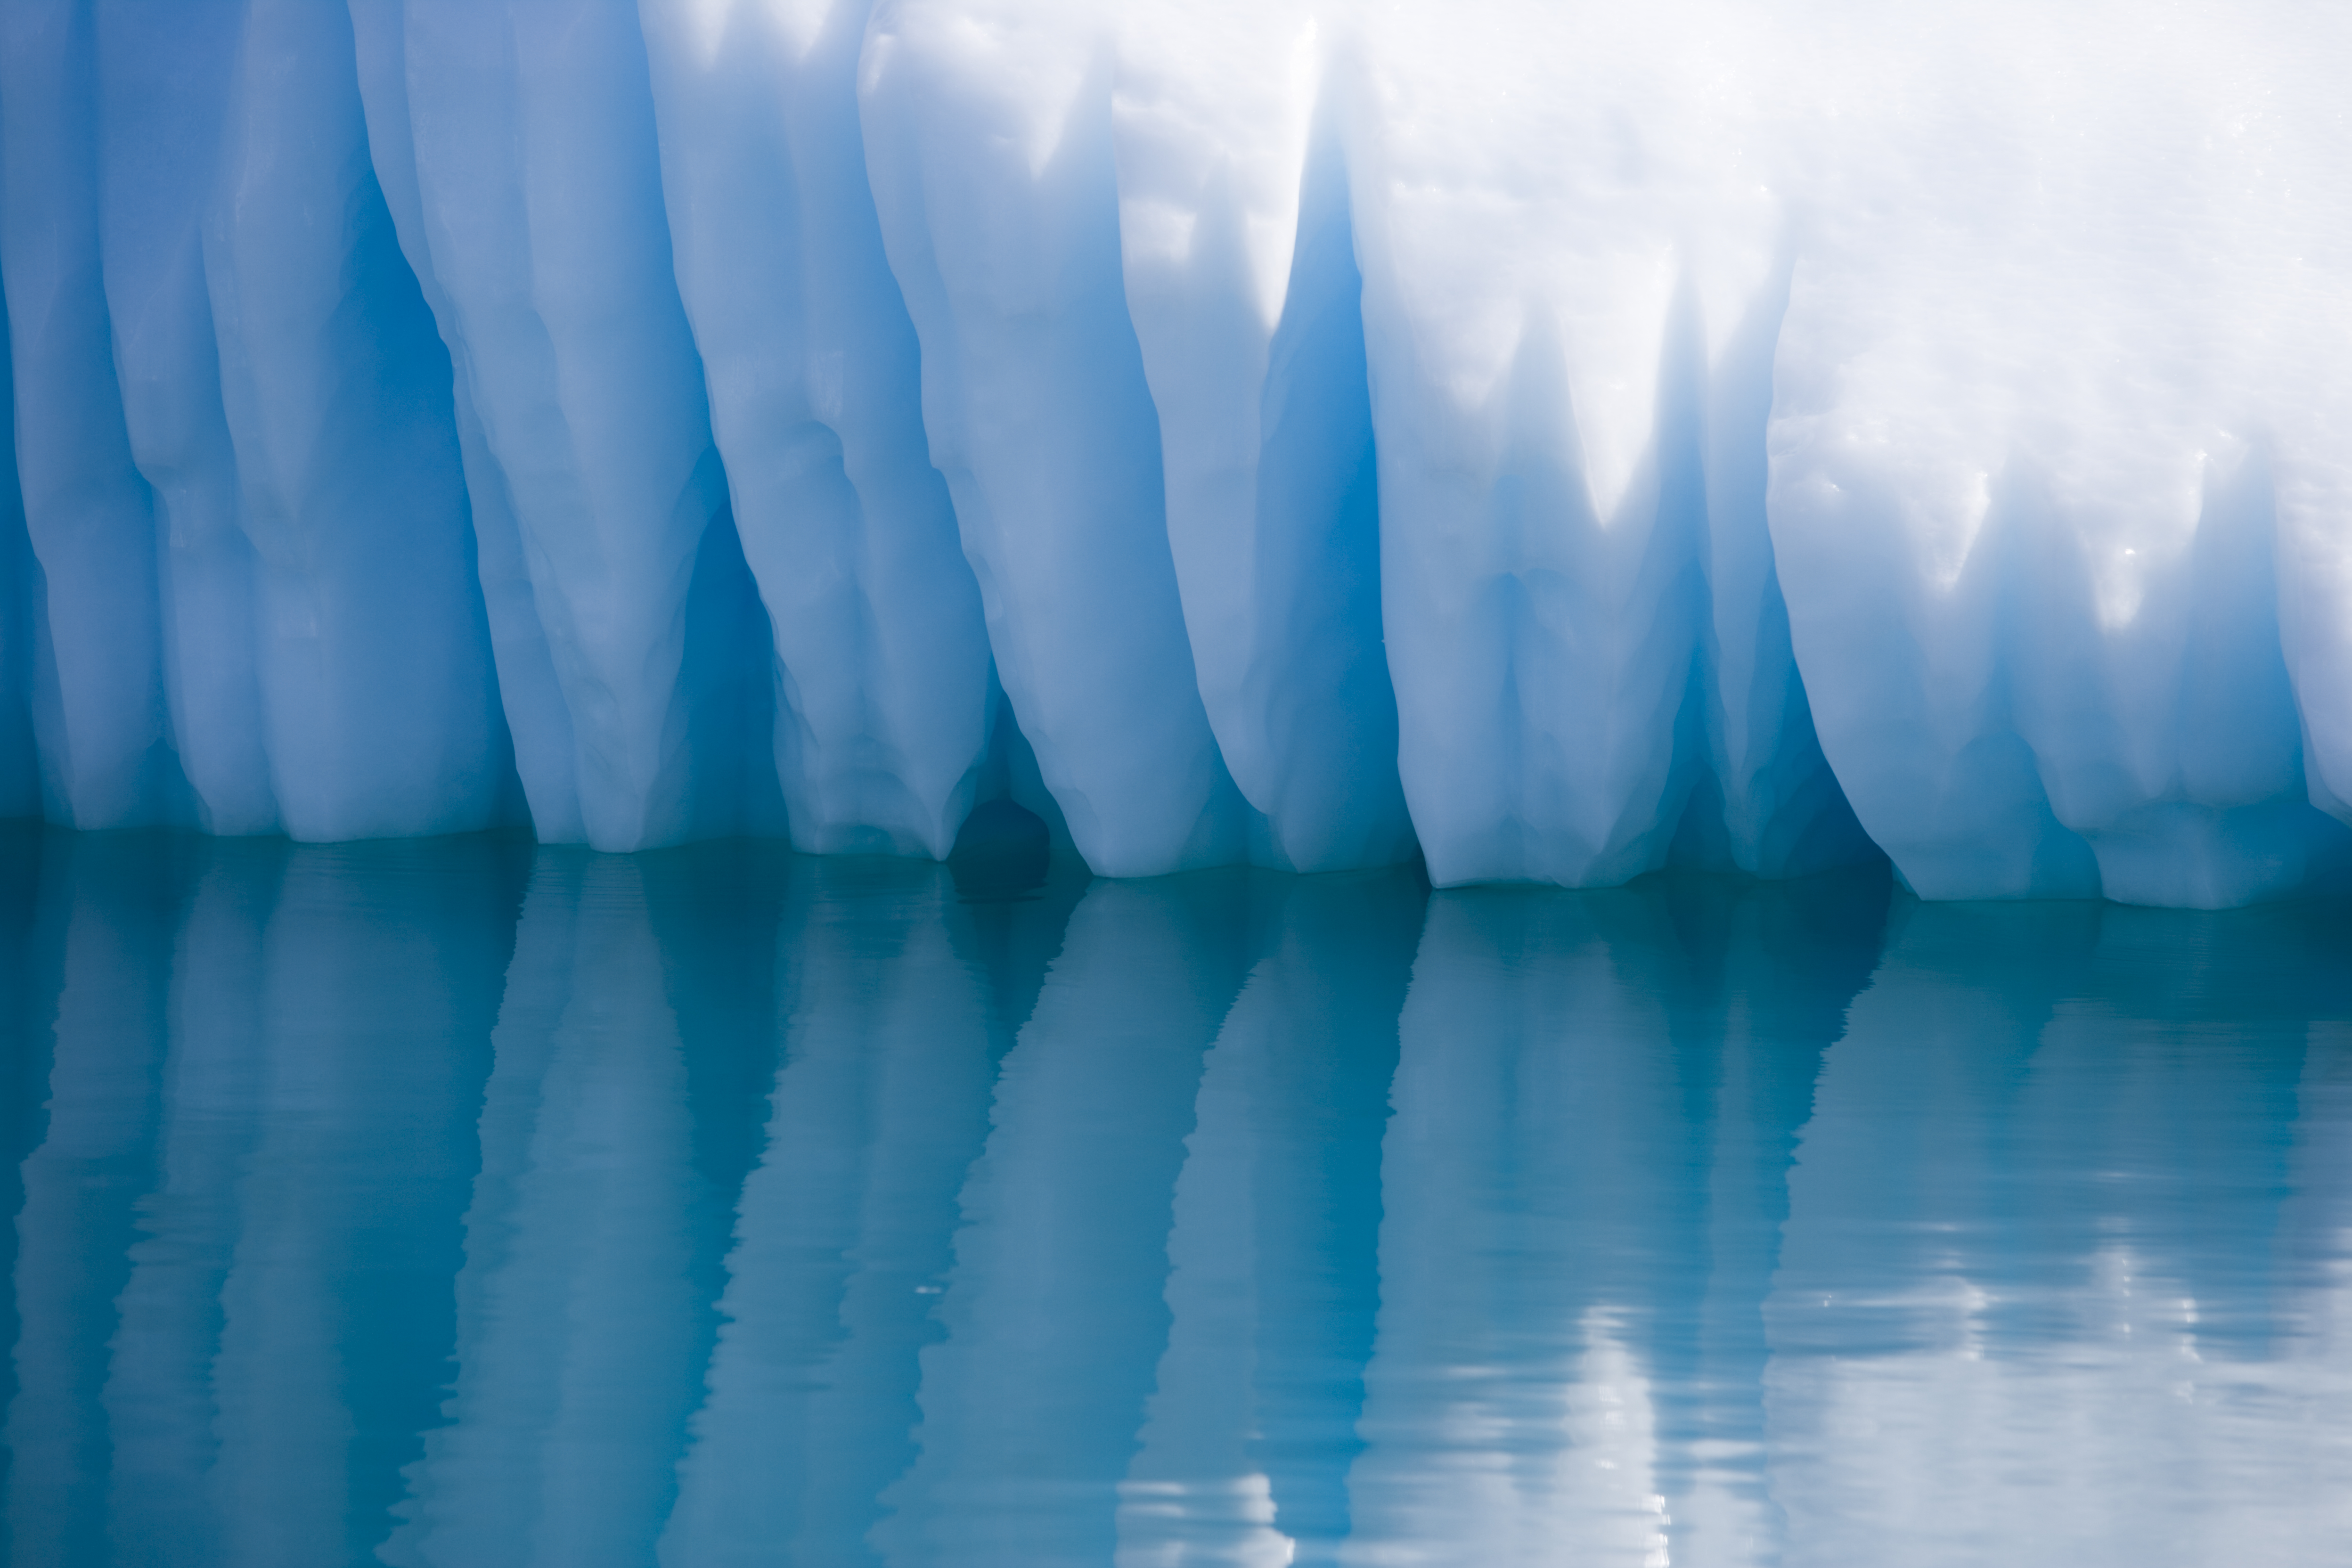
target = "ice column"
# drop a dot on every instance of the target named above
(379, 706)
(97, 700)
(165, 82)
(290, 533)
(538, 724)
(816, 401)
(541, 221)
(20, 761)
(988, 140)
(1241, 282)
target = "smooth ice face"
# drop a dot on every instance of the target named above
(371, 656)
(1241, 282)
(1551, 441)
(815, 400)
(93, 684)
(987, 136)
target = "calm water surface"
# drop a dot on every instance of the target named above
(464, 1203)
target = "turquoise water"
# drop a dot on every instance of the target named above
(465, 1203)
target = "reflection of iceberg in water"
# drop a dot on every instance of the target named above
(1582, 1184)
(261, 1108)
(842, 1237)
(1486, 1430)
(456, 1202)
(579, 1322)
(163, 1411)
(97, 964)
(1273, 1282)
(2046, 1296)
(1052, 1309)
(335, 1326)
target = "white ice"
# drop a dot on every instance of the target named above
(1555, 441)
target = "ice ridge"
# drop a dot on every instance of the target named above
(1556, 441)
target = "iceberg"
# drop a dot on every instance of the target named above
(1553, 442)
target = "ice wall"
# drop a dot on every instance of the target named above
(1556, 441)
